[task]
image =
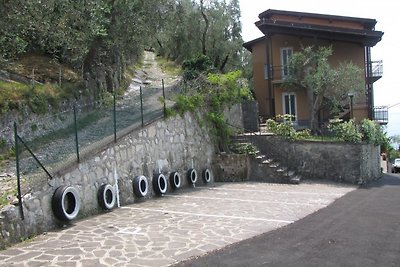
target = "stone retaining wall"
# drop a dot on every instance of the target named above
(337, 161)
(175, 144)
(231, 168)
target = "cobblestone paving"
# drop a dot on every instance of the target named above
(164, 231)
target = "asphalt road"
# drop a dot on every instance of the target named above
(360, 229)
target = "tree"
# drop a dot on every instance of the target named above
(310, 69)
(395, 139)
(98, 38)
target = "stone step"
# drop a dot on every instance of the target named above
(282, 170)
(295, 180)
(289, 174)
(274, 165)
(240, 143)
(267, 161)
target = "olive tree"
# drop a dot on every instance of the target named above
(325, 85)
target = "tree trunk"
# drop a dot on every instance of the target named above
(204, 35)
(310, 100)
(315, 107)
(222, 67)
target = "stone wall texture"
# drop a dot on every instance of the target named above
(175, 144)
(337, 161)
(231, 168)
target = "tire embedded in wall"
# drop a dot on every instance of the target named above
(140, 186)
(192, 176)
(207, 175)
(160, 184)
(66, 203)
(175, 180)
(106, 197)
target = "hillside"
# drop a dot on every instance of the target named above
(57, 149)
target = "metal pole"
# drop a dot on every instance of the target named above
(351, 107)
(141, 104)
(76, 135)
(18, 173)
(115, 118)
(163, 92)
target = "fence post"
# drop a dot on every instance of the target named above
(163, 93)
(76, 135)
(141, 104)
(18, 173)
(115, 118)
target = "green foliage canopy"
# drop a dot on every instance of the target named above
(325, 85)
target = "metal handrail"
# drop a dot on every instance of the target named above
(376, 69)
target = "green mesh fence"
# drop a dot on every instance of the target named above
(59, 140)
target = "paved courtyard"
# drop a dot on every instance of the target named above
(166, 230)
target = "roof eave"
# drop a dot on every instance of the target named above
(249, 45)
(368, 23)
(366, 37)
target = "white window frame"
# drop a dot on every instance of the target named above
(266, 74)
(295, 105)
(287, 49)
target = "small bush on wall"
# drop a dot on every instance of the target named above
(367, 131)
(211, 94)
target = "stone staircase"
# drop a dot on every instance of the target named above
(262, 167)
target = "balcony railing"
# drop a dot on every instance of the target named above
(381, 115)
(376, 71)
(276, 72)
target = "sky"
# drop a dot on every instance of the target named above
(386, 90)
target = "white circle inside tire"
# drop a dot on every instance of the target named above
(160, 184)
(107, 197)
(192, 176)
(140, 186)
(207, 175)
(66, 203)
(175, 180)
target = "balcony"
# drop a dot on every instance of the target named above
(381, 115)
(277, 73)
(375, 71)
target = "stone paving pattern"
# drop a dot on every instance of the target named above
(166, 230)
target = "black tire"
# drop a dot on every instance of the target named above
(160, 184)
(140, 186)
(207, 176)
(192, 176)
(175, 180)
(66, 203)
(106, 197)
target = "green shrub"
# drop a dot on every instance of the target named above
(281, 126)
(196, 65)
(212, 95)
(189, 103)
(248, 149)
(302, 135)
(373, 134)
(345, 131)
